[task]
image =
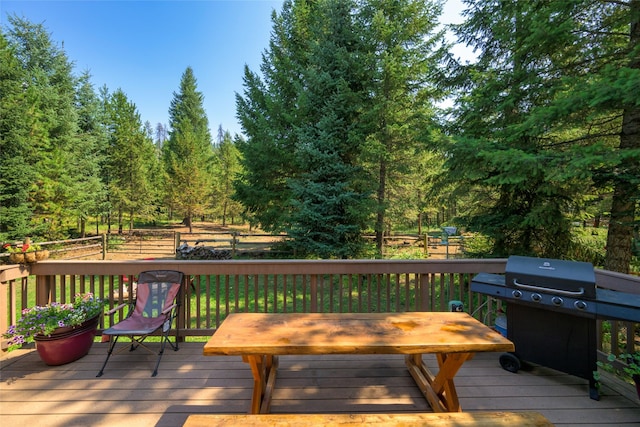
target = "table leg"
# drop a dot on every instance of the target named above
(263, 369)
(439, 389)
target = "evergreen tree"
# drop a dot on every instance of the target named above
(406, 51)
(551, 116)
(621, 78)
(49, 76)
(86, 158)
(17, 172)
(161, 135)
(187, 155)
(105, 208)
(330, 198)
(518, 197)
(130, 161)
(226, 171)
(268, 113)
(344, 108)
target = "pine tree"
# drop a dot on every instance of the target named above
(227, 169)
(187, 155)
(405, 46)
(17, 172)
(331, 197)
(130, 161)
(268, 113)
(50, 89)
(624, 87)
(345, 95)
(549, 116)
(86, 158)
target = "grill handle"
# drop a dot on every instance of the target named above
(551, 290)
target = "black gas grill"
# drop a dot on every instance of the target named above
(551, 313)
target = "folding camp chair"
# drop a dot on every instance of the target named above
(156, 304)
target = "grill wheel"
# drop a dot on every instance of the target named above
(510, 362)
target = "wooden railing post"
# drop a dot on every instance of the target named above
(44, 287)
(104, 246)
(183, 313)
(313, 294)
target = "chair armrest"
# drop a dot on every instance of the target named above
(168, 309)
(114, 309)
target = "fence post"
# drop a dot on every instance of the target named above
(176, 241)
(426, 244)
(104, 246)
(234, 237)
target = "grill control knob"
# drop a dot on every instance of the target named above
(517, 294)
(580, 305)
(557, 301)
(536, 297)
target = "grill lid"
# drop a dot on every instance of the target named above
(571, 278)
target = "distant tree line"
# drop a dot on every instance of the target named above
(70, 153)
(345, 130)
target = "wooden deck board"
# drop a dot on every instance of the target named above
(34, 394)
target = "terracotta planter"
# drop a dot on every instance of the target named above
(66, 345)
(17, 258)
(30, 257)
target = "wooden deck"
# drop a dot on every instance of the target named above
(33, 394)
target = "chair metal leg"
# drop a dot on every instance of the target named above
(111, 347)
(165, 340)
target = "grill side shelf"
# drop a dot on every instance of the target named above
(616, 305)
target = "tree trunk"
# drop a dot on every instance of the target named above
(625, 192)
(224, 214)
(188, 221)
(618, 256)
(625, 198)
(381, 201)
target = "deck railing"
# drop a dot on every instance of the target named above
(215, 289)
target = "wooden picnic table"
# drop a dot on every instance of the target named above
(453, 337)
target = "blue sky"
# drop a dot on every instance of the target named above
(144, 47)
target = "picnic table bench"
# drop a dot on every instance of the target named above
(458, 419)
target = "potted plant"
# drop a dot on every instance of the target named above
(26, 252)
(630, 366)
(62, 332)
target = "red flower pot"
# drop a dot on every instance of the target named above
(66, 345)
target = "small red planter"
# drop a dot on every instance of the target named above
(67, 344)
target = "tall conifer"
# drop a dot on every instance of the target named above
(17, 173)
(187, 154)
